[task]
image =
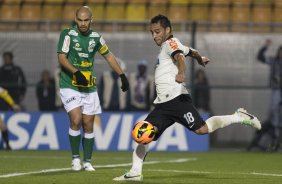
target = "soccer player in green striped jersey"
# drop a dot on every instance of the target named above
(76, 51)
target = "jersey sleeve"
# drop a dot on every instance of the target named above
(186, 50)
(103, 48)
(6, 97)
(64, 42)
(174, 46)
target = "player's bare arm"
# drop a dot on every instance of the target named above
(64, 62)
(16, 108)
(80, 78)
(202, 60)
(111, 59)
(180, 77)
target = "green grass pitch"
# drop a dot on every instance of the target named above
(53, 167)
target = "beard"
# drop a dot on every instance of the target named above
(84, 29)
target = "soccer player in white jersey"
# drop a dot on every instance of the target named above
(173, 102)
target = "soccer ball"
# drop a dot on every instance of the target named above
(143, 132)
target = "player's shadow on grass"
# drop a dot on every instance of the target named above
(187, 178)
(176, 178)
(57, 173)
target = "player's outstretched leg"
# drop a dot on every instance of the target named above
(240, 116)
(135, 173)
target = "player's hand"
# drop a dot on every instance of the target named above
(80, 78)
(203, 61)
(179, 78)
(124, 82)
(16, 108)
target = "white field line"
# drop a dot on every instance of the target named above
(207, 172)
(265, 174)
(97, 166)
(34, 157)
(51, 157)
(181, 160)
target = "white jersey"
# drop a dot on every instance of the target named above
(166, 70)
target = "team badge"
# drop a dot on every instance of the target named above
(91, 45)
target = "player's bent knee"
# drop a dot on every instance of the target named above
(75, 123)
(88, 126)
(203, 130)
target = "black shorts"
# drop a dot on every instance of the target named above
(180, 110)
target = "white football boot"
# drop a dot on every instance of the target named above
(248, 119)
(129, 176)
(75, 164)
(88, 167)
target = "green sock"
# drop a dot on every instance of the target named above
(87, 144)
(75, 143)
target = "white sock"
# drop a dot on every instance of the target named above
(216, 122)
(74, 132)
(138, 157)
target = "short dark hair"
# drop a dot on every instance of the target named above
(9, 54)
(163, 20)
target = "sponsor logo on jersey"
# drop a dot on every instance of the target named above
(78, 49)
(94, 34)
(85, 64)
(173, 45)
(73, 32)
(83, 55)
(66, 44)
(75, 40)
(91, 45)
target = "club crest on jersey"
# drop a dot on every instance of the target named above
(77, 47)
(91, 45)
